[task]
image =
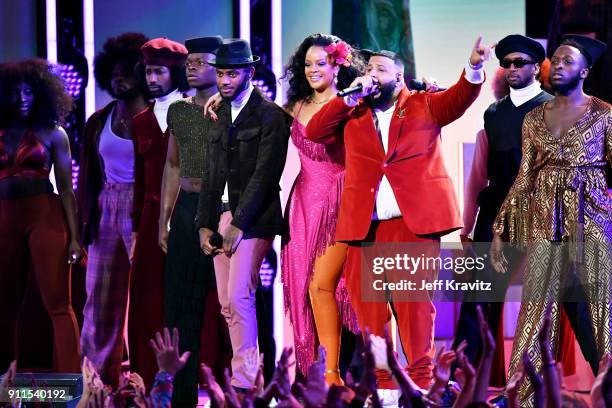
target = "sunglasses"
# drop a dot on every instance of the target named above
(518, 63)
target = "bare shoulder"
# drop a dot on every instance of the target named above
(55, 136)
(58, 133)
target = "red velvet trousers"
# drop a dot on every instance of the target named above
(415, 319)
(146, 310)
(34, 239)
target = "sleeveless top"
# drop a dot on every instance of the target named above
(117, 155)
(30, 159)
(312, 213)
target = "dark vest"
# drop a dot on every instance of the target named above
(503, 123)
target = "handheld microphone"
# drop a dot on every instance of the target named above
(216, 240)
(421, 86)
(351, 90)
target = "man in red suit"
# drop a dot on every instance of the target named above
(396, 186)
(164, 73)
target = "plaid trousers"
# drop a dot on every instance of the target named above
(107, 283)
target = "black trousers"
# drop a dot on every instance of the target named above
(189, 279)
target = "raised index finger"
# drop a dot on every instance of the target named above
(478, 41)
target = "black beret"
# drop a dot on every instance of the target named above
(589, 47)
(520, 43)
(204, 44)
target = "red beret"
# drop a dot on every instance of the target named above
(164, 52)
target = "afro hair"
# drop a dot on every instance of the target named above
(124, 48)
(51, 101)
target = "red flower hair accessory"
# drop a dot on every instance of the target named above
(340, 53)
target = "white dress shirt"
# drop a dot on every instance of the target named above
(160, 108)
(386, 203)
(236, 107)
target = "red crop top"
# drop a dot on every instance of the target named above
(31, 159)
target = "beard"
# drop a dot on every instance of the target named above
(128, 94)
(566, 88)
(239, 89)
(521, 83)
(160, 92)
(385, 95)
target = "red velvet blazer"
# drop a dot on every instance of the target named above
(413, 163)
(150, 148)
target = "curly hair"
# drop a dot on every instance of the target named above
(544, 76)
(299, 88)
(51, 101)
(124, 48)
(499, 85)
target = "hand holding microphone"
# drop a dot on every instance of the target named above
(216, 240)
(360, 88)
(428, 84)
(350, 90)
(211, 242)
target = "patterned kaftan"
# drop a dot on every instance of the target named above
(559, 208)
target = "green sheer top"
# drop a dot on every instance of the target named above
(189, 126)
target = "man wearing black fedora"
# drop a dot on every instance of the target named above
(247, 147)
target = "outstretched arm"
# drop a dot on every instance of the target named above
(449, 105)
(327, 124)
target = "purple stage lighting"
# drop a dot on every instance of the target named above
(259, 83)
(73, 82)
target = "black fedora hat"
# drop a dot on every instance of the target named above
(234, 53)
(204, 44)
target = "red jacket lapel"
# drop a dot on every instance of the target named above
(396, 121)
(152, 124)
(370, 135)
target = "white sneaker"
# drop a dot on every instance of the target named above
(388, 398)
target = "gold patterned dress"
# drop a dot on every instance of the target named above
(560, 211)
